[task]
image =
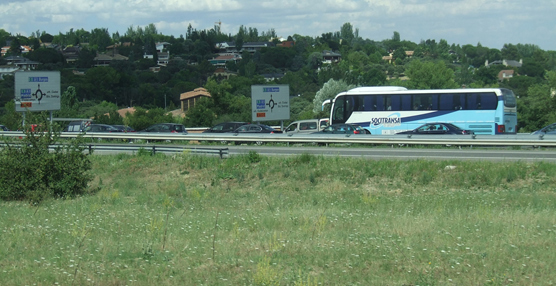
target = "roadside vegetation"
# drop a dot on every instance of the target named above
(300, 220)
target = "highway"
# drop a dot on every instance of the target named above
(406, 153)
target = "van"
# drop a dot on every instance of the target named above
(307, 126)
(78, 126)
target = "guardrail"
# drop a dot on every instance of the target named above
(457, 140)
(133, 148)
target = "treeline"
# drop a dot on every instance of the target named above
(415, 65)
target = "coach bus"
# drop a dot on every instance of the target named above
(389, 110)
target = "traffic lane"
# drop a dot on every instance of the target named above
(404, 153)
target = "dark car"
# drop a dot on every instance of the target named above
(166, 128)
(3, 128)
(361, 129)
(438, 129)
(100, 128)
(256, 128)
(124, 128)
(225, 127)
(549, 130)
(342, 128)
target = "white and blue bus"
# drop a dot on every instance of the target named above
(389, 110)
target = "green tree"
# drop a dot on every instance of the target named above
(328, 91)
(538, 108)
(430, 75)
(15, 47)
(11, 118)
(202, 114)
(69, 104)
(46, 56)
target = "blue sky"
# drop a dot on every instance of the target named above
(489, 22)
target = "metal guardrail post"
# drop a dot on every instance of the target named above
(154, 150)
(90, 148)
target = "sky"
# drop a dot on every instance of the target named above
(492, 23)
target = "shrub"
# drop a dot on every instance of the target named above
(30, 171)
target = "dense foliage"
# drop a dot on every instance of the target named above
(30, 171)
(428, 64)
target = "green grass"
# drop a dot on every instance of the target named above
(303, 220)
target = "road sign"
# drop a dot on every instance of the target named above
(270, 102)
(37, 90)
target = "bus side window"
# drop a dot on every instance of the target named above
(446, 102)
(380, 102)
(434, 102)
(488, 101)
(406, 102)
(472, 101)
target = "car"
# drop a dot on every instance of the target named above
(225, 127)
(361, 129)
(166, 128)
(548, 130)
(101, 128)
(254, 129)
(78, 125)
(437, 128)
(124, 128)
(306, 126)
(341, 128)
(3, 128)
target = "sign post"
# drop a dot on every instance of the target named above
(270, 102)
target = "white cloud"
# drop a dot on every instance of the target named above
(491, 22)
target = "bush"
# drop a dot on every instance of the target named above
(30, 171)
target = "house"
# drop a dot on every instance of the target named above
(162, 46)
(24, 49)
(228, 48)
(286, 44)
(21, 63)
(329, 57)
(388, 58)
(113, 49)
(220, 61)
(506, 63)
(104, 60)
(7, 69)
(71, 54)
(272, 76)
(224, 73)
(409, 54)
(505, 74)
(188, 99)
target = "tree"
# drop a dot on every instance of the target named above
(69, 105)
(46, 38)
(201, 114)
(85, 58)
(240, 37)
(46, 56)
(328, 91)
(396, 37)
(346, 32)
(537, 109)
(509, 52)
(430, 75)
(15, 47)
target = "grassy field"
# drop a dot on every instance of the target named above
(304, 220)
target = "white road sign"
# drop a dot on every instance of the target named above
(37, 90)
(270, 102)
